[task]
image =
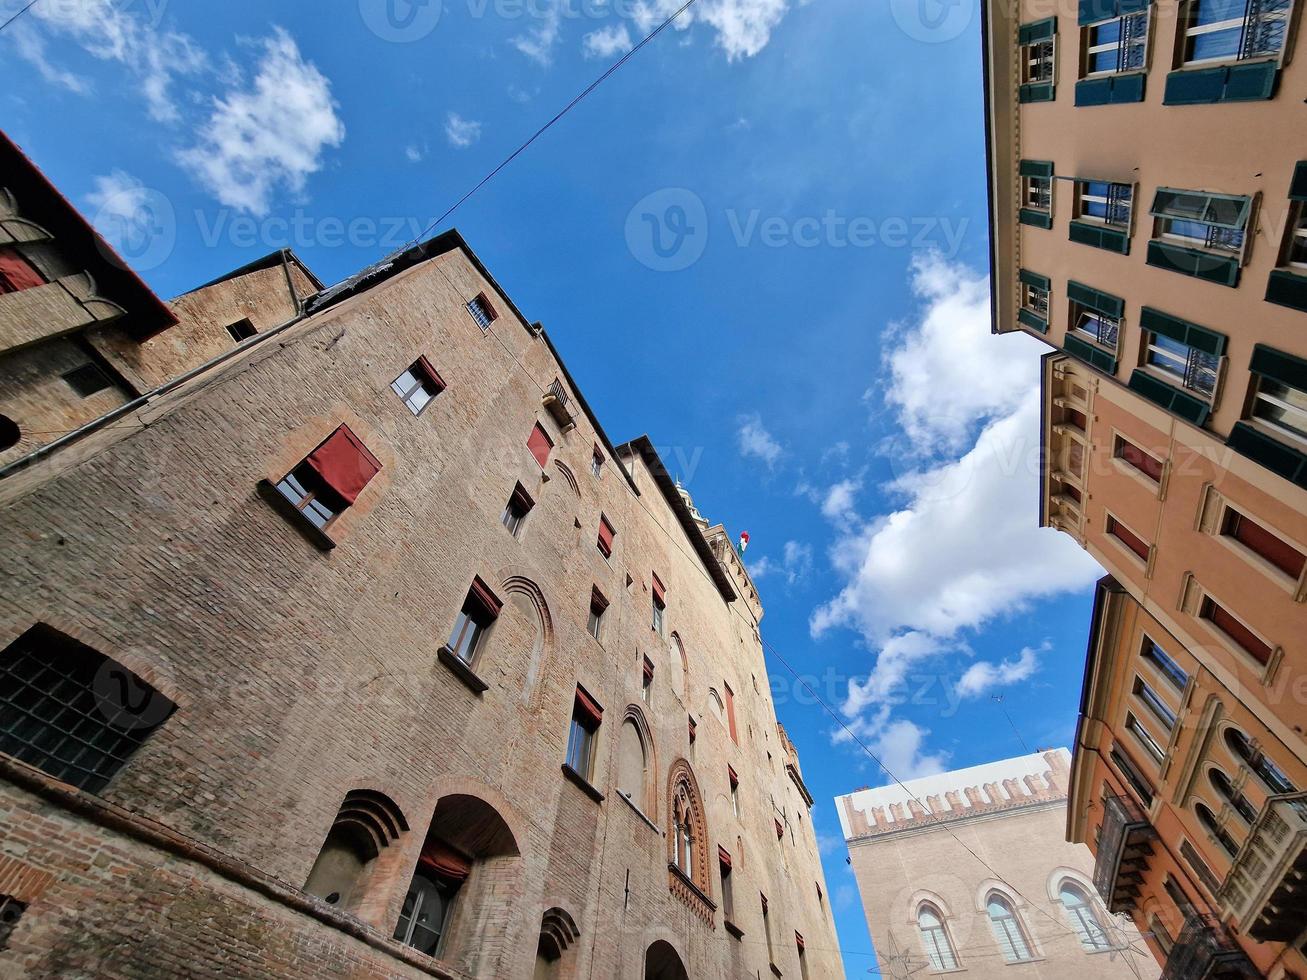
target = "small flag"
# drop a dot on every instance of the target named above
(744, 541)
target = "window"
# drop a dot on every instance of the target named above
(1117, 45)
(1037, 193)
(87, 380)
(16, 273)
(1234, 30)
(659, 604)
(734, 781)
(691, 727)
(1036, 175)
(597, 463)
(688, 831)
(1161, 660)
(1235, 630)
(1130, 772)
(646, 681)
(1276, 782)
(1145, 738)
(728, 896)
(418, 385)
(1104, 203)
(598, 606)
(1131, 454)
(766, 928)
(515, 511)
(803, 959)
(330, 479)
(633, 763)
(606, 534)
(479, 611)
(1195, 861)
(241, 330)
(1037, 57)
(730, 712)
(427, 906)
(1282, 407)
(1295, 247)
(1225, 789)
(715, 705)
(935, 940)
(1156, 705)
(1218, 833)
(539, 443)
(1095, 326)
(1034, 298)
(586, 718)
(1127, 537)
(482, 311)
(1196, 219)
(10, 434)
(1193, 369)
(1163, 938)
(1263, 543)
(1084, 920)
(72, 712)
(1007, 930)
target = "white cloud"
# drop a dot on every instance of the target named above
(607, 42)
(414, 153)
(118, 199)
(795, 563)
(743, 27)
(754, 440)
(898, 744)
(839, 504)
(984, 675)
(269, 135)
(538, 43)
(897, 656)
(111, 31)
(461, 132)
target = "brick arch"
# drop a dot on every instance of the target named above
(685, 806)
(542, 658)
(635, 715)
(568, 476)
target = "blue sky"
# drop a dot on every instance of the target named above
(762, 242)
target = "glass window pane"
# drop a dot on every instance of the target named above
(1217, 44)
(1215, 11)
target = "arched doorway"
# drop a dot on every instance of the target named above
(661, 962)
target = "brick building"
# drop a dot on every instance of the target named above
(969, 872)
(1148, 198)
(339, 640)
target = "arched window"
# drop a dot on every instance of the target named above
(687, 840)
(366, 823)
(1267, 771)
(634, 771)
(680, 652)
(716, 705)
(1208, 820)
(935, 940)
(1225, 789)
(1007, 929)
(1080, 910)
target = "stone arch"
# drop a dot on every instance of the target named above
(634, 721)
(687, 826)
(522, 591)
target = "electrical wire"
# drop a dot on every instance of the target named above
(20, 13)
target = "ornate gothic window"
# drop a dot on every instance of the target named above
(1080, 910)
(688, 842)
(935, 940)
(1007, 929)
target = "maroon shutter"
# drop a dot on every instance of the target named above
(606, 533)
(692, 727)
(344, 464)
(780, 831)
(659, 593)
(540, 444)
(1240, 633)
(730, 711)
(588, 706)
(798, 940)
(480, 592)
(735, 780)
(1281, 554)
(431, 374)
(1128, 538)
(597, 600)
(1141, 460)
(723, 856)
(16, 272)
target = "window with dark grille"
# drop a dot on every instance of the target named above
(87, 380)
(241, 330)
(72, 712)
(482, 312)
(11, 910)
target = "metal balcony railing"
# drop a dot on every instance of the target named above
(1266, 889)
(1265, 26)
(1124, 847)
(1205, 950)
(559, 405)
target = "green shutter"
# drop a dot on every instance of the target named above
(1279, 366)
(1040, 219)
(1271, 453)
(1112, 90)
(1220, 269)
(1298, 186)
(1197, 87)
(1286, 288)
(1094, 91)
(1034, 279)
(1032, 321)
(1095, 299)
(1126, 7)
(1035, 168)
(1110, 239)
(1187, 333)
(1128, 88)
(1251, 83)
(1095, 357)
(1174, 400)
(1092, 11)
(1037, 92)
(1040, 30)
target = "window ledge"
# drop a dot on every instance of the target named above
(460, 669)
(638, 812)
(585, 785)
(314, 535)
(732, 928)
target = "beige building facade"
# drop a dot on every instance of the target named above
(338, 639)
(969, 872)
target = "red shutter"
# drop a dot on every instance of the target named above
(780, 831)
(445, 861)
(606, 533)
(723, 856)
(648, 670)
(735, 780)
(540, 444)
(659, 593)
(1128, 538)
(692, 727)
(1141, 460)
(16, 272)
(798, 940)
(431, 374)
(1238, 632)
(730, 711)
(491, 313)
(480, 592)
(344, 464)
(587, 706)
(1281, 554)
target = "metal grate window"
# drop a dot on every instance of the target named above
(71, 712)
(480, 312)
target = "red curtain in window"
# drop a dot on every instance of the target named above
(1281, 554)
(431, 374)
(16, 272)
(723, 856)
(344, 464)
(1140, 460)
(587, 705)
(1238, 632)
(540, 444)
(659, 593)
(606, 533)
(445, 861)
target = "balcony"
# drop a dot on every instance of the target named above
(559, 405)
(1125, 843)
(1266, 889)
(1206, 951)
